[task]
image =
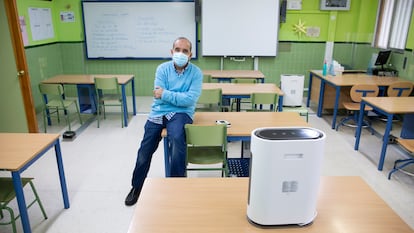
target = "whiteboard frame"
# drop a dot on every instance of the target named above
(240, 28)
(164, 53)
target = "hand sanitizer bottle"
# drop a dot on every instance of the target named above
(325, 67)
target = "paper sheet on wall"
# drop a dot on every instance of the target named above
(41, 23)
(23, 29)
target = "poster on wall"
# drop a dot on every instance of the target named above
(41, 23)
(23, 29)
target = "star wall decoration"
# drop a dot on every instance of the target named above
(300, 28)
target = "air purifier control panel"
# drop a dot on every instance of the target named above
(288, 134)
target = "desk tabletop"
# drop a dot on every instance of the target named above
(17, 149)
(350, 79)
(86, 78)
(243, 123)
(395, 105)
(244, 88)
(234, 73)
(345, 204)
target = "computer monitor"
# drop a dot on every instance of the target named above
(382, 58)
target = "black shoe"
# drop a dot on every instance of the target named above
(132, 197)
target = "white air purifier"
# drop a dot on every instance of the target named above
(292, 85)
(285, 170)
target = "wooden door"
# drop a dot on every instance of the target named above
(20, 66)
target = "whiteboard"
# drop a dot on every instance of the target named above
(137, 29)
(239, 27)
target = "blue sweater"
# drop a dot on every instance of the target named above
(181, 91)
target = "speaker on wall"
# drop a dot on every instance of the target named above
(283, 11)
(197, 10)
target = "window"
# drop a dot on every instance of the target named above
(393, 22)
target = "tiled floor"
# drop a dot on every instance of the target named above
(99, 162)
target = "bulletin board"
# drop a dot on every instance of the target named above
(137, 29)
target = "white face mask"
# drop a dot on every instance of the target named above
(180, 59)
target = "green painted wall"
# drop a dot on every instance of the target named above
(352, 32)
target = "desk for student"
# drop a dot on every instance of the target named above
(85, 83)
(242, 125)
(204, 205)
(387, 106)
(338, 89)
(228, 75)
(20, 150)
(244, 90)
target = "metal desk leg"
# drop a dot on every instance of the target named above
(280, 104)
(125, 105)
(309, 90)
(359, 127)
(385, 141)
(62, 175)
(167, 164)
(337, 93)
(134, 107)
(321, 95)
(18, 188)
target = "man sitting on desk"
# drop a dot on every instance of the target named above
(177, 88)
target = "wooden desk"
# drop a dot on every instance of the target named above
(204, 205)
(387, 106)
(87, 81)
(228, 75)
(20, 150)
(242, 125)
(244, 90)
(337, 90)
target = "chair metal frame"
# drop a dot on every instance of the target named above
(108, 93)
(243, 100)
(357, 92)
(7, 194)
(399, 164)
(54, 101)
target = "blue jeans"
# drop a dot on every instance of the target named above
(150, 142)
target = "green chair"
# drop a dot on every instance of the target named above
(264, 102)
(207, 78)
(54, 101)
(206, 144)
(108, 94)
(7, 194)
(243, 100)
(210, 100)
(303, 111)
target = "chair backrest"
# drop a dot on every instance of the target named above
(264, 98)
(397, 89)
(363, 90)
(210, 96)
(244, 80)
(106, 83)
(206, 78)
(52, 91)
(206, 135)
